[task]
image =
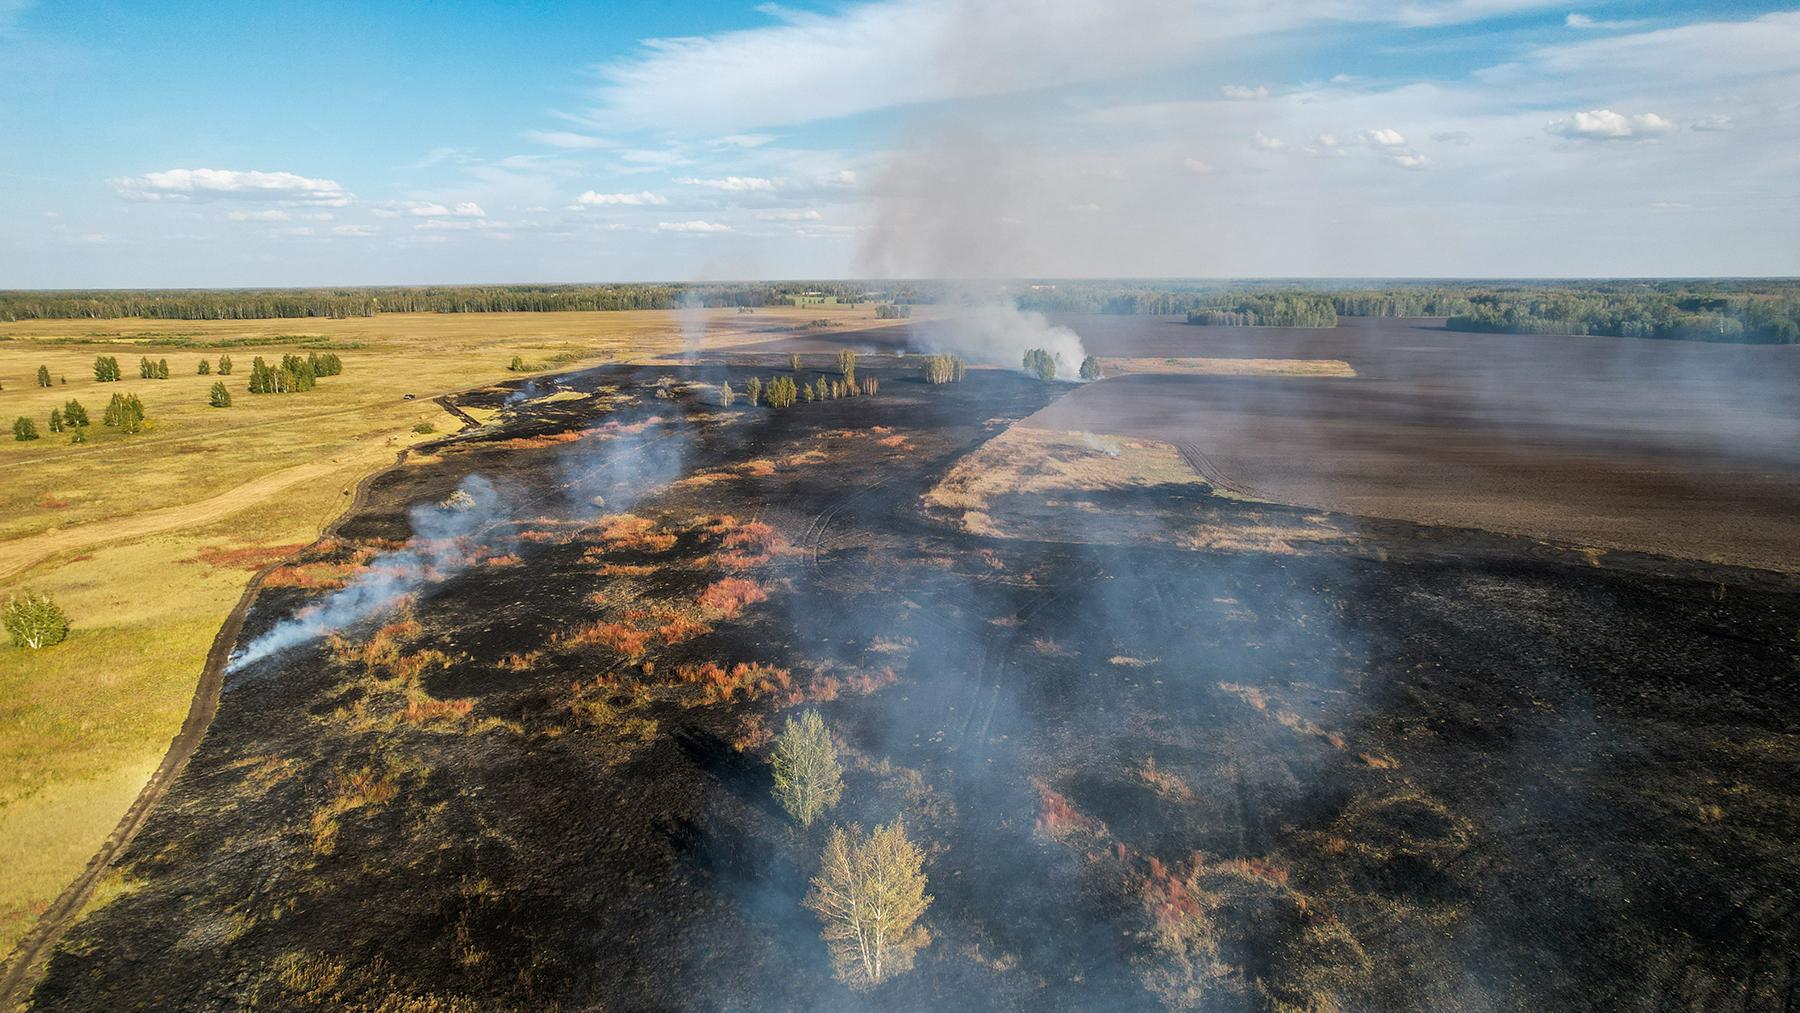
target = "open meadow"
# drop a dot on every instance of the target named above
(148, 540)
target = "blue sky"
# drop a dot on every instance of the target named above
(334, 143)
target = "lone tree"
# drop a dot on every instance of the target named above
(35, 620)
(220, 397)
(794, 360)
(203, 368)
(56, 420)
(224, 365)
(1041, 364)
(808, 777)
(1090, 368)
(726, 394)
(43, 376)
(847, 366)
(869, 894)
(74, 416)
(162, 369)
(24, 429)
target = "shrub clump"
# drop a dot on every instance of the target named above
(35, 621)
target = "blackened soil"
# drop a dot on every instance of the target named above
(1475, 774)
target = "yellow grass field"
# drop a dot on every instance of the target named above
(148, 540)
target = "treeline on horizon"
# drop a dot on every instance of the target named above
(1722, 310)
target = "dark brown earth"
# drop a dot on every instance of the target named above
(1438, 768)
(1678, 448)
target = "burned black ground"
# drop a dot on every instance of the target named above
(1458, 769)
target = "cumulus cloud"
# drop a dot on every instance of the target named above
(232, 184)
(643, 198)
(468, 209)
(693, 226)
(1606, 125)
(1268, 143)
(732, 184)
(354, 231)
(1244, 93)
(1385, 138)
(271, 215)
(1409, 160)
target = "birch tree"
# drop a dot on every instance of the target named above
(808, 777)
(869, 894)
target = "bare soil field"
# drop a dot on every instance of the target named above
(1671, 447)
(1407, 767)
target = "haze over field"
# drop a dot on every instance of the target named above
(1154, 138)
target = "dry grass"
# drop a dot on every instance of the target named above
(1045, 462)
(727, 597)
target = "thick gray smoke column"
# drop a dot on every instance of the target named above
(439, 546)
(984, 186)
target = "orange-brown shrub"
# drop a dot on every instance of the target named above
(311, 576)
(678, 628)
(897, 440)
(617, 637)
(545, 440)
(727, 597)
(721, 685)
(520, 662)
(759, 468)
(1058, 817)
(508, 560)
(626, 569)
(629, 531)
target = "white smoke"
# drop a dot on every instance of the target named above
(999, 334)
(443, 536)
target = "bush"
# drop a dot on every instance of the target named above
(35, 621)
(869, 894)
(219, 397)
(204, 368)
(808, 777)
(162, 369)
(224, 365)
(24, 429)
(424, 428)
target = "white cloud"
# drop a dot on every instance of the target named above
(354, 231)
(1581, 22)
(1268, 143)
(1244, 93)
(591, 199)
(1713, 122)
(271, 215)
(468, 209)
(803, 215)
(693, 226)
(567, 140)
(1195, 165)
(1606, 125)
(1409, 160)
(1385, 138)
(1461, 138)
(745, 140)
(428, 210)
(212, 184)
(732, 184)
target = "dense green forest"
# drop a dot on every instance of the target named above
(1725, 310)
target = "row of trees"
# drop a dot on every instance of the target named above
(71, 418)
(943, 369)
(870, 889)
(262, 304)
(1287, 309)
(784, 392)
(106, 368)
(295, 374)
(148, 370)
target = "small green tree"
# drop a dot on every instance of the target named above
(74, 416)
(106, 369)
(56, 420)
(204, 368)
(219, 397)
(808, 777)
(146, 368)
(794, 361)
(847, 365)
(869, 894)
(753, 390)
(1041, 364)
(24, 429)
(125, 413)
(224, 365)
(726, 394)
(806, 392)
(162, 369)
(1090, 368)
(35, 621)
(782, 392)
(43, 376)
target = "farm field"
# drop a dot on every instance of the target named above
(1615, 444)
(149, 540)
(1157, 739)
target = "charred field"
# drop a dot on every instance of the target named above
(1402, 766)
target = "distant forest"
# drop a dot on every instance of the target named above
(1726, 310)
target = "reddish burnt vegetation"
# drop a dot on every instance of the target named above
(627, 569)
(51, 501)
(520, 662)
(630, 532)
(679, 628)
(727, 597)
(506, 560)
(719, 684)
(425, 709)
(545, 440)
(749, 544)
(1057, 816)
(312, 576)
(619, 638)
